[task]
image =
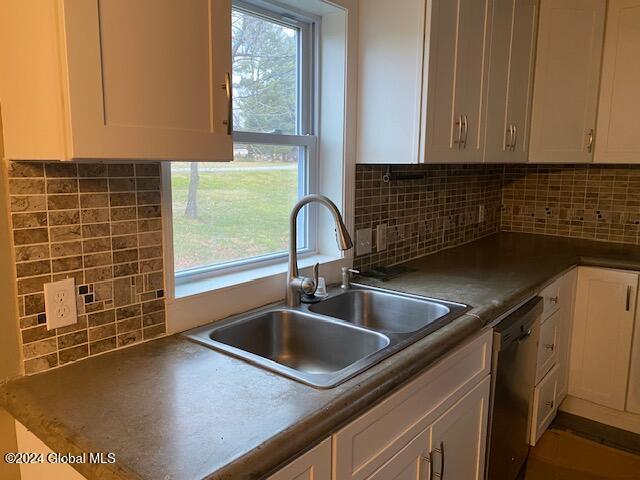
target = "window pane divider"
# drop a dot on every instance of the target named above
(275, 139)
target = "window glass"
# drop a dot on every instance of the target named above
(265, 80)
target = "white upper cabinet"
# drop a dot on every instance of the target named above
(457, 67)
(391, 39)
(570, 38)
(422, 80)
(115, 79)
(513, 40)
(618, 140)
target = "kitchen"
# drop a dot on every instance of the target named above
(320, 239)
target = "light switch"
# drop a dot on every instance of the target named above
(60, 303)
(363, 241)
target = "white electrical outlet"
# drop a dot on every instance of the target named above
(381, 237)
(363, 241)
(481, 212)
(60, 303)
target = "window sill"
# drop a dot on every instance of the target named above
(204, 301)
(197, 286)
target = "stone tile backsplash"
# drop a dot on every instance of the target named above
(440, 208)
(598, 202)
(100, 224)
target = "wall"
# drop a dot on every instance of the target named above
(440, 209)
(9, 348)
(101, 225)
(599, 202)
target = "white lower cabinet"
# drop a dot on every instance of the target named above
(602, 336)
(449, 401)
(545, 405)
(410, 463)
(313, 465)
(454, 443)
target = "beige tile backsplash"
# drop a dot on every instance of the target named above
(438, 210)
(100, 224)
(598, 202)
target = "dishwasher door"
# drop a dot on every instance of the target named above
(515, 347)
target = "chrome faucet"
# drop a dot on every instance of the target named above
(296, 285)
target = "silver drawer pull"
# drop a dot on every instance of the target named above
(553, 300)
(549, 403)
(550, 346)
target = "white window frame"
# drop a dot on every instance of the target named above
(305, 138)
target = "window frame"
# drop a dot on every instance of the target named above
(305, 138)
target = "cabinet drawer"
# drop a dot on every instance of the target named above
(548, 345)
(372, 439)
(544, 404)
(551, 299)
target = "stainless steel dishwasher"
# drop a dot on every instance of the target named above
(515, 345)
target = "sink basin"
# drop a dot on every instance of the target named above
(327, 343)
(315, 350)
(382, 311)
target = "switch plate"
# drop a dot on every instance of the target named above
(381, 237)
(60, 303)
(363, 241)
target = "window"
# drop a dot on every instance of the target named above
(236, 215)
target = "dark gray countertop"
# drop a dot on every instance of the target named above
(172, 409)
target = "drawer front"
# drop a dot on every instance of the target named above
(544, 404)
(372, 439)
(551, 299)
(548, 345)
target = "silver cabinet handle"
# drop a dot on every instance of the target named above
(515, 138)
(465, 123)
(227, 87)
(550, 346)
(628, 305)
(509, 141)
(590, 138)
(439, 451)
(553, 300)
(458, 124)
(549, 403)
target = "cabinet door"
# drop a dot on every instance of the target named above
(391, 47)
(567, 293)
(601, 340)
(457, 76)
(513, 40)
(633, 395)
(570, 38)
(148, 79)
(313, 465)
(548, 346)
(410, 463)
(618, 139)
(545, 405)
(459, 436)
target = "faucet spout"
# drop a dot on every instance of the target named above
(297, 285)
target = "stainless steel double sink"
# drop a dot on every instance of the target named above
(326, 343)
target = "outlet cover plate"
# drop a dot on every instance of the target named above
(60, 303)
(363, 241)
